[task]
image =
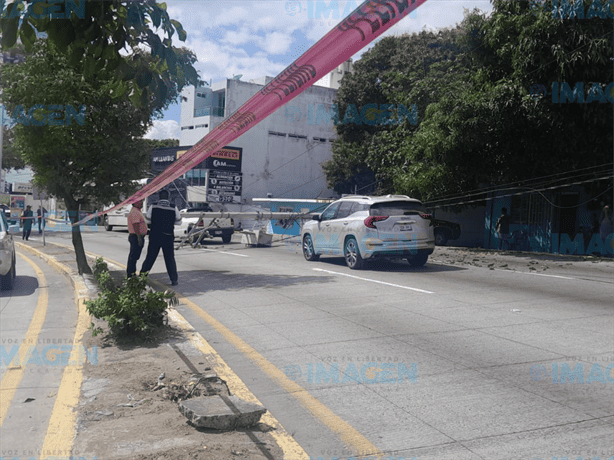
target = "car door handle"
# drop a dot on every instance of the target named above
(345, 223)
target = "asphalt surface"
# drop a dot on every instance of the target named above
(484, 339)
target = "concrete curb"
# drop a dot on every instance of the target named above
(291, 449)
(61, 431)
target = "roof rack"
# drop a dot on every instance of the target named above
(364, 197)
(399, 196)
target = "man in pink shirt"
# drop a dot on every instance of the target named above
(137, 229)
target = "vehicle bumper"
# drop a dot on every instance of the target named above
(215, 232)
(372, 248)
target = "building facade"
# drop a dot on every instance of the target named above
(282, 156)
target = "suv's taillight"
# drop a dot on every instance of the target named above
(369, 221)
(426, 216)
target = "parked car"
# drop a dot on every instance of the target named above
(364, 228)
(445, 231)
(7, 253)
(7, 211)
(214, 227)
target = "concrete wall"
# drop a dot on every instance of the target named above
(280, 165)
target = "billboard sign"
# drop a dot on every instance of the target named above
(224, 186)
(22, 187)
(226, 159)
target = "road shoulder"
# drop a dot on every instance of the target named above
(118, 416)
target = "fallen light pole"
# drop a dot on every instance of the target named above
(256, 237)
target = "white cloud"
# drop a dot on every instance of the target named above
(277, 43)
(231, 37)
(163, 129)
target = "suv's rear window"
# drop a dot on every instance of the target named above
(396, 208)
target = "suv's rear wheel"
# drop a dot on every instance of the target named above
(353, 259)
(308, 250)
(418, 261)
(226, 239)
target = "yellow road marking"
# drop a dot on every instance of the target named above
(291, 449)
(347, 433)
(63, 420)
(12, 377)
(285, 441)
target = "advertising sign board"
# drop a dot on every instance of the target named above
(226, 159)
(224, 186)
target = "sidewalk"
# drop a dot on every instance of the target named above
(120, 416)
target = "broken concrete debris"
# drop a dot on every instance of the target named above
(221, 412)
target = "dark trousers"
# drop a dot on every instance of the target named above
(135, 253)
(166, 243)
(26, 233)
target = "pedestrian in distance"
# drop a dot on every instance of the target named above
(606, 224)
(503, 229)
(27, 218)
(162, 217)
(137, 229)
(41, 213)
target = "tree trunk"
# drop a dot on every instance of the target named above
(77, 242)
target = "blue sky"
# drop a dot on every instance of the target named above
(258, 38)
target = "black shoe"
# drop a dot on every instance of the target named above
(174, 283)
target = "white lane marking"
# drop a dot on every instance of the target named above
(225, 252)
(374, 281)
(536, 274)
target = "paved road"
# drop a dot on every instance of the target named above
(37, 321)
(482, 348)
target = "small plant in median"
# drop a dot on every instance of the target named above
(130, 307)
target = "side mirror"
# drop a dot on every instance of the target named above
(14, 229)
(317, 217)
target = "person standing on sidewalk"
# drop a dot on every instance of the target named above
(27, 217)
(503, 229)
(42, 215)
(137, 229)
(606, 226)
(163, 219)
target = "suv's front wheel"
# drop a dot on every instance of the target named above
(308, 250)
(353, 259)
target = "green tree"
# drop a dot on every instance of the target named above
(10, 156)
(501, 126)
(480, 121)
(412, 71)
(93, 156)
(110, 37)
(161, 143)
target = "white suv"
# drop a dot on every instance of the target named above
(363, 228)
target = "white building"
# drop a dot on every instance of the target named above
(337, 74)
(283, 154)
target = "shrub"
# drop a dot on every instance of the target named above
(129, 308)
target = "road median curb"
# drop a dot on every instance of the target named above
(291, 449)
